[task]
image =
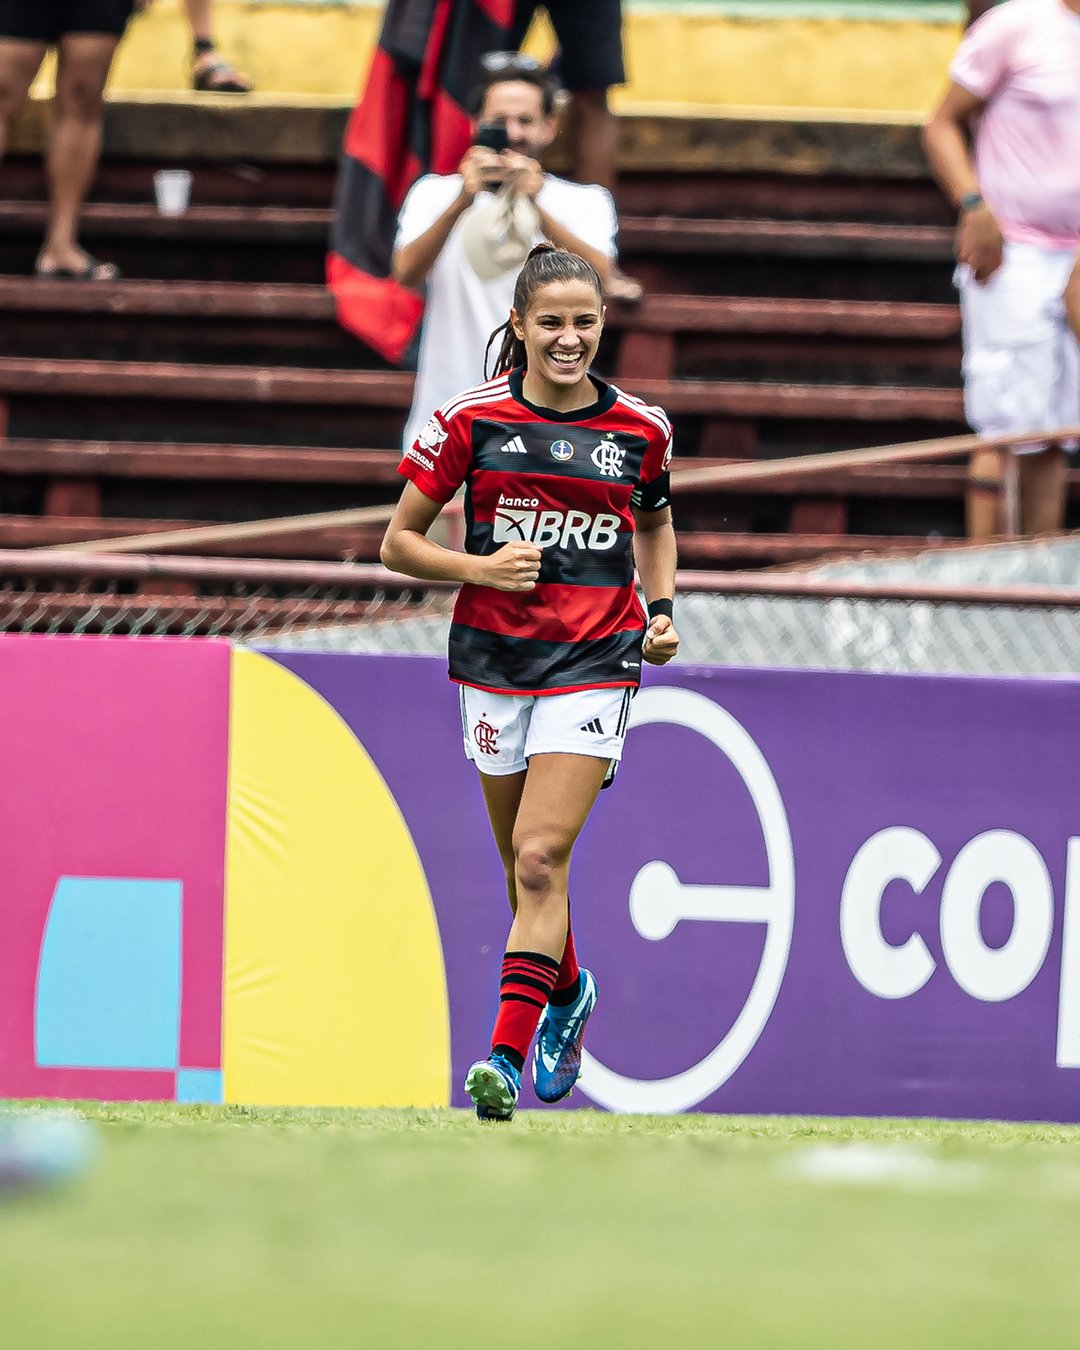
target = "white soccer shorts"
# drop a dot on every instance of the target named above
(1021, 361)
(503, 731)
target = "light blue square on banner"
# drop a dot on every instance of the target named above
(199, 1085)
(108, 993)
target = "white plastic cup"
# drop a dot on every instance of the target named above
(172, 191)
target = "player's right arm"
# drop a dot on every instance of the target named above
(436, 465)
(406, 548)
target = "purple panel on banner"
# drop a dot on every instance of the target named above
(806, 892)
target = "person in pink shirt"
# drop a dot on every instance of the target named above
(1004, 143)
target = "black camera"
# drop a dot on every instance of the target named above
(492, 136)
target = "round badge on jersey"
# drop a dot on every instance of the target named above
(562, 451)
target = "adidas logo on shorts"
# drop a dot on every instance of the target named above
(594, 726)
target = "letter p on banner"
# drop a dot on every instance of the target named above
(1068, 1038)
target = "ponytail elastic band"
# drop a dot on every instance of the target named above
(664, 606)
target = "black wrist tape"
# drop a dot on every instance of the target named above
(663, 606)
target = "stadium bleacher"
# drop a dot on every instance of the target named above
(790, 309)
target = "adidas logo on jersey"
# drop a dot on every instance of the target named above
(513, 525)
(514, 446)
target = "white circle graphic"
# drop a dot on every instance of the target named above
(659, 901)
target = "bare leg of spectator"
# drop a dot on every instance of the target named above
(1072, 299)
(982, 499)
(594, 138)
(82, 68)
(1043, 480)
(210, 72)
(19, 62)
(594, 146)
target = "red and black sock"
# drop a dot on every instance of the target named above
(527, 981)
(568, 981)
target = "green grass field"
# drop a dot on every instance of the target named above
(230, 1227)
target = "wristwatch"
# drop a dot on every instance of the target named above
(970, 200)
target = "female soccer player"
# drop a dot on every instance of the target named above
(566, 483)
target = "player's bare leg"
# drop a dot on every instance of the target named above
(502, 796)
(559, 793)
(555, 800)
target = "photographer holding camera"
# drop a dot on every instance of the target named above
(466, 234)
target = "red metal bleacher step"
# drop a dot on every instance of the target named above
(247, 384)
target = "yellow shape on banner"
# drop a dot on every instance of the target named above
(335, 989)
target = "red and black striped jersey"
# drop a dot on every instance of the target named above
(566, 482)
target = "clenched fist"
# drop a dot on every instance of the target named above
(661, 641)
(514, 567)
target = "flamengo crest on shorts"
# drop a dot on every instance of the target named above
(567, 483)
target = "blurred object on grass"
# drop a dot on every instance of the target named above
(43, 1148)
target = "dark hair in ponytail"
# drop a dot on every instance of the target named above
(545, 264)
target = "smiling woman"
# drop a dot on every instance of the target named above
(561, 334)
(566, 484)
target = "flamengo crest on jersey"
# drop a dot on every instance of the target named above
(567, 484)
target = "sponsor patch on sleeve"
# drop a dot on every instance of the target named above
(432, 437)
(417, 458)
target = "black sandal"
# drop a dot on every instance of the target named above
(219, 77)
(93, 270)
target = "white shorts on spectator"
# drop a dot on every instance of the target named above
(1021, 359)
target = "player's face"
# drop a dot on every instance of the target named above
(520, 107)
(561, 331)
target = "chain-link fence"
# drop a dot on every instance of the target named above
(1029, 562)
(804, 620)
(879, 633)
(250, 602)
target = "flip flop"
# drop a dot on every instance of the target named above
(94, 270)
(220, 77)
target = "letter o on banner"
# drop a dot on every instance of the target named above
(987, 973)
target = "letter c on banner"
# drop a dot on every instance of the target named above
(896, 854)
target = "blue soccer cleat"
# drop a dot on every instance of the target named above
(557, 1056)
(493, 1084)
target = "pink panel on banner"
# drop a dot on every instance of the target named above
(112, 854)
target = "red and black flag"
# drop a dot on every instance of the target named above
(412, 119)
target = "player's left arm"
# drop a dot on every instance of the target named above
(656, 555)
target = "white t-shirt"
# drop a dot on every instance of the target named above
(462, 310)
